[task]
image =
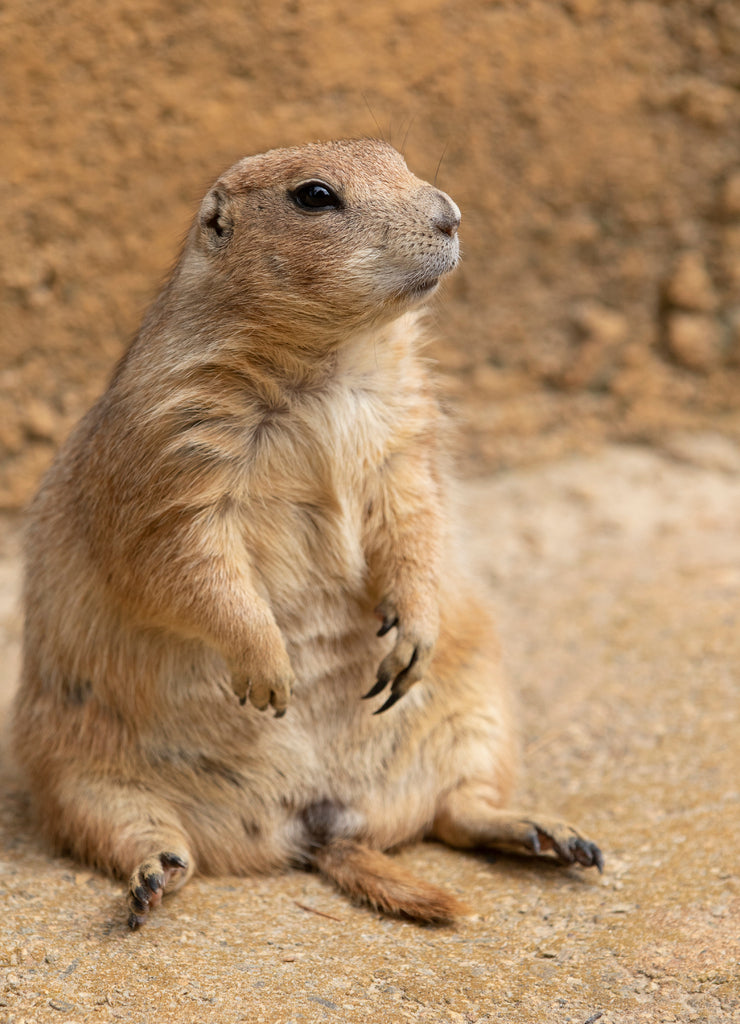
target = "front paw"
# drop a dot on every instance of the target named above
(263, 689)
(407, 661)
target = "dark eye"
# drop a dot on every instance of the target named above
(315, 195)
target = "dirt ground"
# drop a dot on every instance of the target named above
(593, 146)
(617, 578)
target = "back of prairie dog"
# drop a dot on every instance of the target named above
(261, 487)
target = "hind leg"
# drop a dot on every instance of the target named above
(467, 817)
(123, 829)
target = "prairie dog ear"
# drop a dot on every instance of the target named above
(216, 218)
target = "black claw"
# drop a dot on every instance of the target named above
(279, 714)
(381, 684)
(412, 662)
(389, 622)
(395, 696)
(243, 700)
(582, 854)
(135, 921)
(536, 847)
(598, 858)
(155, 882)
(587, 854)
(171, 860)
(140, 897)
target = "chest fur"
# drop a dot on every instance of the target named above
(316, 481)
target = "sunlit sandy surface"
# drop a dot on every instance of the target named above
(617, 579)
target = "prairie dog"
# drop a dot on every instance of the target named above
(248, 534)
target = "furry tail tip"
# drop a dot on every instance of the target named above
(370, 876)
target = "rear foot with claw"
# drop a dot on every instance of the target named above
(565, 843)
(148, 883)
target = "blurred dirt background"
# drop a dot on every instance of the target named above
(593, 145)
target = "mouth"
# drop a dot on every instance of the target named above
(425, 280)
(420, 288)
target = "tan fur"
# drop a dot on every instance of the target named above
(262, 481)
(374, 878)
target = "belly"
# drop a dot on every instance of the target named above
(309, 565)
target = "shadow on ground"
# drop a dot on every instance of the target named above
(617, 578)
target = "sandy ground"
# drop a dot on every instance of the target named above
(617, 579)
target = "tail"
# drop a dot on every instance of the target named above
(370, 876)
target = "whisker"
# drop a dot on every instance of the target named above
(406, 134)
(375, 120)
(436, 173)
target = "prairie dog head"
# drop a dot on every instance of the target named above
(319, 240)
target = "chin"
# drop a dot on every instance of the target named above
(418, 291)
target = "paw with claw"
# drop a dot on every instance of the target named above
(265, 685)
(564, 842)
(407, 661)
(148, 883)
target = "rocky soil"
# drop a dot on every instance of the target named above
(617, 579)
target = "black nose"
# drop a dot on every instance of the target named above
(447, 218)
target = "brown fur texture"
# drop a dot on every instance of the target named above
(262, 485)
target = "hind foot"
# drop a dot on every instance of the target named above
(467, 817)
(544, 836)
(150, 880)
